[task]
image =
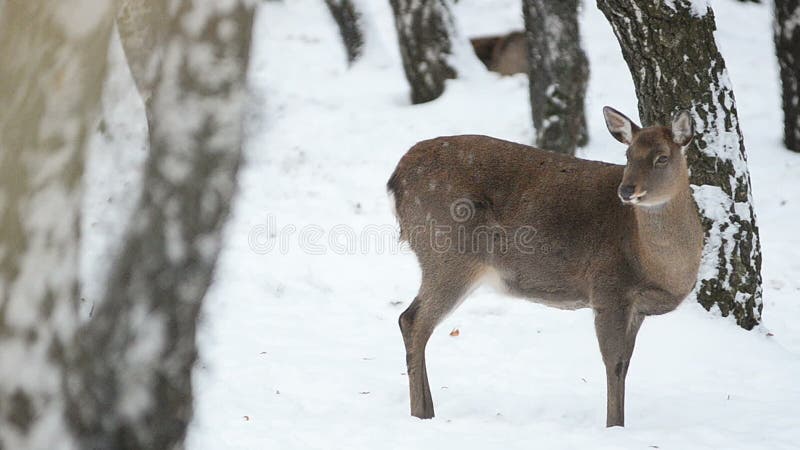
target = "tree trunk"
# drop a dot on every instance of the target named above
(52, 67)
(424, 29)
(675, 64)
(787, 47)
(558, 73)
(142, 27)
(348, 18)
(130, 381)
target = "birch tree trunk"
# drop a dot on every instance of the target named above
(424, 29)
(558, 71)
(130, 378)
(142, 26)
(787, 48)
(348, 18)
(52, 67)
(675, 64)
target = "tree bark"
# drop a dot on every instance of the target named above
(787, 48)
(424, 29)
(558, 73)
(52, 67)
(675, 64)
(348, 18)
(130, 377)
(142, 27)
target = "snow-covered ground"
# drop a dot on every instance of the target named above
(299, 343)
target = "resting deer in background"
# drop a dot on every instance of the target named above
(506, 54)
(570, 233)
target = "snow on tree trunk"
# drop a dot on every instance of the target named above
(348, 19)
(673, 57)
(558, 73)
(787, 47)
(424, 29)
(130, 380)
(52, 67)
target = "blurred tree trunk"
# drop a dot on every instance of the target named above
(675, 63)
(347, 18)
(558, 71)
(424, 29)
(787, 48)
(52, 67)
(131, 376)
(142, 27)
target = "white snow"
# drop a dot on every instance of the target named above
(699, 7)
(715, 204)
(299, 343)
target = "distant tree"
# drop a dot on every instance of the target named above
(130, 375)
(787, 47)
(424, 30)
(558, 73)
(348, 18)
(52, 67)
(673, 57)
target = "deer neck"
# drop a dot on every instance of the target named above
(667, 242)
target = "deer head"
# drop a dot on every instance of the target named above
(656, 170)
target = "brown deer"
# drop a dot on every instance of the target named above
(625, 240)
(506, 54)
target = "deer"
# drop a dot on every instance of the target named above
(505, 54)
(625, 241)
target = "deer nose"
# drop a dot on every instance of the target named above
(626, 191)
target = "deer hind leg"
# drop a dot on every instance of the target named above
(440, 293)
(616, 333)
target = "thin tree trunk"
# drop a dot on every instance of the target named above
(558, 73)
(424, 29)
(52, 67)
(348, 18)
(130, 383)
(787, 48)
(675, 64)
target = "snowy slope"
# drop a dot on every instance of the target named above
(300, 347)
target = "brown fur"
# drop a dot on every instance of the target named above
(505, 54)
(584, 248)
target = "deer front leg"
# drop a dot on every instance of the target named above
(616, 330)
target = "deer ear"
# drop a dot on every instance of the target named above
(682, 128)
(619, 126)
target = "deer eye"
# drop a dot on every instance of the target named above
(661, 160)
